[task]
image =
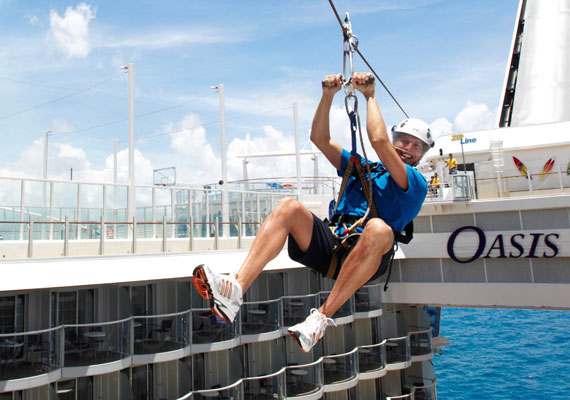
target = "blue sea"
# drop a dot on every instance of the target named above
(504, 354)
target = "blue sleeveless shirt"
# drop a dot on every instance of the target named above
(394, 205)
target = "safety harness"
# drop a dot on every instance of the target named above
(343, 227)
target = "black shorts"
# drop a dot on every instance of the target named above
(319, 256)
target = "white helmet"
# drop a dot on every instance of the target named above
(416, 128)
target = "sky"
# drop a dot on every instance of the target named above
(60, 71)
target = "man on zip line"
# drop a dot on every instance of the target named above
(398, 194)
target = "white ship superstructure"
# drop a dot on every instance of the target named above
(94, 305)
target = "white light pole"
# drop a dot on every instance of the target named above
(225, 205)
(115, 163)
(245, 175)
(45, 164)
(297, 154)
(44, 199)
(131, 204)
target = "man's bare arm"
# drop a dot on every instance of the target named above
(377, 133)
(320, 130)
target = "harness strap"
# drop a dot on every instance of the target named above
(366, 189)
(347, 173)
(390, 265)
(408, 234)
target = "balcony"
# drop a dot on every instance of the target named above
(398, 353)
(228, 392)
(405, 396)
(304, 381)
(340, 371)
(345, 314)
(155, 336)
(211, 333)
(267, 387)
(33, 355)
(367, 301)
(88, 345)
(260, 320)
(372, 361)
(425, 389)
(420, 345)
(297, 308)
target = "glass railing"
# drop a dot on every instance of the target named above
(424, 389)
(302, 380)
(90, 344)
(398, 350)
(159, 334)
(29, 354)
(188, 212)
(420, 343)
(401, 396)
(463, 187)
(267, 387)
(372, 357)
(346, 310)
(192, 212)
(24, 355)
(297, 308)
(260, 317)
(207, 327)
(233, 391)
(368, 298)
(340, 368)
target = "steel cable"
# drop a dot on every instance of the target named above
(345, 34)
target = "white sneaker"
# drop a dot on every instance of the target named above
(311, 330)
(223, 291)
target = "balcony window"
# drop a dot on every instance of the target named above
(372, 358)
(25, 355)
(159, 334)
(12, 314)
(73, 307)
(339, 368)
(261, 317)
(207, 327)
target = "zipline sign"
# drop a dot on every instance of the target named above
(468, 243)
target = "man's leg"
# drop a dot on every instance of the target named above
(289, 217)
(360, 265)
(225, 292)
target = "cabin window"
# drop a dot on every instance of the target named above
(12, 314)
(73, 307)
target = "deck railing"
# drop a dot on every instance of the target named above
(34, 209)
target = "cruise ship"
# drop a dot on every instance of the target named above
(95, 304)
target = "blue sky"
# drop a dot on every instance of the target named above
(60, 61)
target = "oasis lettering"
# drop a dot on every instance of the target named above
(499, 245)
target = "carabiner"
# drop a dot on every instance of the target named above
(349, 47)
(347, 80)
(354, 104)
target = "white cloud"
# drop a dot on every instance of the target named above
(441, 126)
(63, 156)
(68, 152)
(474, 117)
(70, 32)
(61, 126)
(32, 20)
(198, 155)
(272, 142)
(161, 39)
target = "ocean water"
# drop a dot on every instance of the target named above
(504, 354)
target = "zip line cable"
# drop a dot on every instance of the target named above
(51, 87)
(346, 37)
(201, 125)
(61, 98)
